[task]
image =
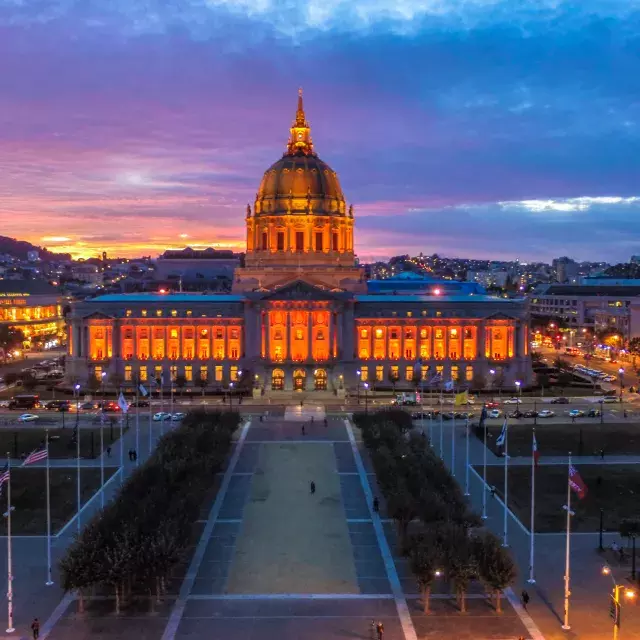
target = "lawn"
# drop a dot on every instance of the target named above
(555, 439)
(28, 496)
(612, 488)
(19, 442)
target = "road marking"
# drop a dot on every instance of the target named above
(54, 618)
(496, 497)
(178, 608)
(292, 596)
(524, 616)
(408, 629)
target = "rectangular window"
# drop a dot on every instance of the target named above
(144, 375)
(265, 241)
(280, 240)
(204, 373)
(468, 374)
(143, 313)
(128, 313)
(173, 373)
(233, 373)
(157, 373)
(188, 373)
(408, 374)
(97, 372)
(379, 373)
(364, 374)
(319, 246)
(218, 374)
(128, 373)
(455, 374)
(334, 241)
(299, 241)
(394, 372)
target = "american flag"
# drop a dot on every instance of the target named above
(575, 482)
(35, 456)
(4, 475)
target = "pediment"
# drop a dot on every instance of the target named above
(500, 316)
(97, 315)
(301, 290)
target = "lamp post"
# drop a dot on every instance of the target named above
(366, 406)
(616, 604)
(492, 373)
(621, 380)
(76, 390)
(359, 374)
(230, 396)
(519, 388)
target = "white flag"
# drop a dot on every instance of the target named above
(500, 440)
(122, 403)
(143, 391)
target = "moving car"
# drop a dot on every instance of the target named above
(560, 400)
(516, 414)
(513, 401)
(161, 415)
(139, 404)
(609, 399)
(494, 413)
(531, 414)
(576, 413)
(176, 417)
(492, 405)
(546, 413)
(28, 417)
(594, 413)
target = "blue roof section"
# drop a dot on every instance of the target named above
(472, 298)
(168, 298)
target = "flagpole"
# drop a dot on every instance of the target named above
(532, 533)
(566, 626)
(453, 436)
(102, 461)
(150, 417)
(137, 420)
(10, 628)
(466, 468)
(505, 542)
(49, 581)
(122, 444)
(484, 467)
(161, 405)
(78, 498)
(441, 434)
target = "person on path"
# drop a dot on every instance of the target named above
(376, 505)
(134, 453)
(326, 423)
(380, 630)
(303, 431)
(374, 631)
(35, 628)
(312, 487)
(601, 454)
(525, 599)
(108, 452)
(311, 419)
(130, 455)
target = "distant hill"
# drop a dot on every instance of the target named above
(20, 249)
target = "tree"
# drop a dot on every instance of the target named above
(499, 380)
(116, 380)
(10, 338)
(634, 346)
(536, 358)
(202, 382)
(630, 528)
(424, 559)
(180, 382)
(393, 377)
(562, 364)
(402, 508)
(496, 568)
(565, 378)
(544, 381)
(479, 381)
(94, 384)
(29, 381)
(416, 380)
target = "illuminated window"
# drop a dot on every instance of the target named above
(218, 374)
(204, 333)
(379, 373)
(409, 314)
(174, 313)
(143, 313)
(394, 371)
(378, 333)
(128, 373)
(320, 335)
(468, 374)
(173, 333)
(423, 333)
(173, 373)
(219, 334)
(233, 373)
(280, 240)
(364, 373)
(408, 374)
(455, 373)
(364, 333)
(159, 312)
(97, 372)
(188, 373)
(424, 313)
(234, 334)
(128, 313)
(204, 373)
(299, 334)
(157, 372)
(143, 374)
(299, 241)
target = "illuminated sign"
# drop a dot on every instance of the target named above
(14, 295)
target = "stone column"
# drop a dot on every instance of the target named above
(267, 340)
(310, 335)
(287, 335)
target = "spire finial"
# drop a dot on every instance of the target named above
(300, 139)
(301, 120)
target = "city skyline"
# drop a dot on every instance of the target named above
(457, 131)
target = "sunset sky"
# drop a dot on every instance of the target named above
(479, 128)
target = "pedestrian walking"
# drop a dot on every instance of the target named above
(326, 423)
(35, 628)
(601, 454)
(135, 455)
(130, 455)
(380, 630)
(625, 413)
(312, 487)
(311, 419)
(525, 599)
(373, 630)
(376, 504)
(303, 431)
(108, 452)
(573, 418)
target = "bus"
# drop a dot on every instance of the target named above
(24, 401)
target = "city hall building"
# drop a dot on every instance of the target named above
(300, 315)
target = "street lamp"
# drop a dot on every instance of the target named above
(359, 374)
(519, 387)
(621, 380)
(616, 604)
(492, 373)
(230, 395)
(366, 388)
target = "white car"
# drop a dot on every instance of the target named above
(176, 417)
(608, 399)
(4, 404)
(161, 415)
(513, 401)
(28, 417)
(494, 413)
(546, 413)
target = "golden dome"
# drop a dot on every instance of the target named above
(300, 183)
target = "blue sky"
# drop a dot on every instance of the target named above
(481, 128)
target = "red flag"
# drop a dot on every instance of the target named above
(577, 483)
(536, 453)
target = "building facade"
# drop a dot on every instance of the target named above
(301, 315)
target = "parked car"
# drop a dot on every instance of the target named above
(54, 405)
(594, 413)
(464, 415)
(87, 406)
(546, 413)
(161, 415)
(531, 414)
(513, 401)
(140, 404)
(609, 399)
(4, 404)
(492, 405)
(516, 414)
(576, 413)
(28, 417)
(176, 417)
(494, 413)
(560, 400)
